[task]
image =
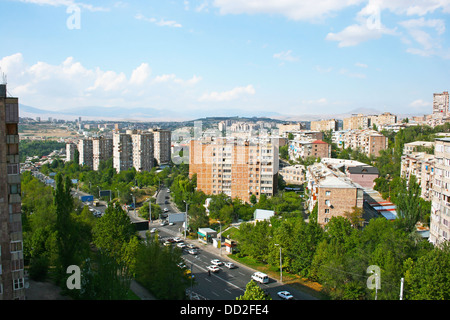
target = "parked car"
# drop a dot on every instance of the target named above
(177, 239)
(213, 268)
(163, 223)
(285, 295)
(153, 230)
(229, 265)
(166, 210)
(216, 262)
(181, 245)
(193, 251)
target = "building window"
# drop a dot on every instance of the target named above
(18, 284)
(327, 193)
(327, 210)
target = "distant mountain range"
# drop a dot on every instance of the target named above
(151, 114)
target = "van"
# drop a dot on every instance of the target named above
(260, 277)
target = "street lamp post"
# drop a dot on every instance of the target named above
(185, 219)
(281, 266)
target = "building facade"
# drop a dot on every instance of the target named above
(12, 280)
(102, 150)
(324, 125)
(238, 169)
(441, 104)
(70, 151)
(440, 204)
(162, 146)
(142, 151)
(122, 151)
(85, 150)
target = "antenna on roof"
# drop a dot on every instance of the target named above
(3, 77)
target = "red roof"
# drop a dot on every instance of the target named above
(320, 141)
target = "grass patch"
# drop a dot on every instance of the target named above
(312, 288)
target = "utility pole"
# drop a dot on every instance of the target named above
(150, 209)
(401, 288)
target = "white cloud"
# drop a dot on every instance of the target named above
(419, 103)
(160, 23)
(429, 41)
(358, 33)
(69, 84)
(67, 3)
(232, 94)
(292, 9)
(361, 65)
(140, 74)
(285, 56)
(165, 78)
(352, 74)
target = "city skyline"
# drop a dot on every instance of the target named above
(226, 57)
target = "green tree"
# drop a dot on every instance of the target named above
(113, 231)
(254, 292)
(428, 277)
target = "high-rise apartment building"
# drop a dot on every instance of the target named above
(441, 104)
(440, 201)
(133, 149)
(12, 282)
(85, 150)
(361, 121)
(238, 168)
(122, 151)
(70, 151)
(162, 146)
(102, 150)
(142, 151)
(324, 125)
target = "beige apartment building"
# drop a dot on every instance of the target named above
(102, 150)
(440, 203)
(324, 125)
(361, 121)
(293, 174)
(162, 146)
(369, 141)
(238, 168)
(333, 192)
(420, 165)
(12, 278)
(441, 104)
(309, 148)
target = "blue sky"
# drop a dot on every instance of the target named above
(289, 57)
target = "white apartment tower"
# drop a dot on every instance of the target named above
(142, 151)
(86, 152)
(102, 150)
(122, 151)
(162, 146)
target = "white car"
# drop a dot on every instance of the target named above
(166, 210)
(153, 230)
(229, 265)
(213, 268)
(285, 295)
(216, 262)
(193, 251)
(177, 239)
(181, 245)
